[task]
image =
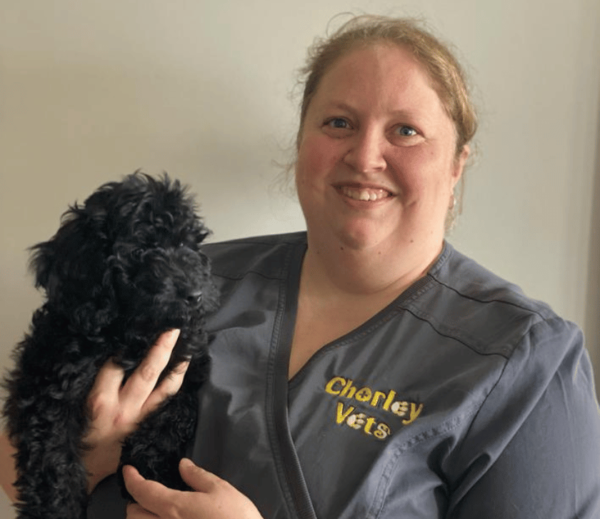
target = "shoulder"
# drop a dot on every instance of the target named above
(264, 255)
(488, 314)
(470, 280)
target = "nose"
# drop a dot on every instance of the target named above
(366, 152)
(194, 297)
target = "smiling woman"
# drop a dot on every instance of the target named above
(366, 368)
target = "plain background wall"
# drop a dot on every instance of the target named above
(90, 91)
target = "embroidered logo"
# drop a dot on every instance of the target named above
(348, 412)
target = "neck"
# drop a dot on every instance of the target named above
(334, 269)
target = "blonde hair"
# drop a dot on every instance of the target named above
(446, 73)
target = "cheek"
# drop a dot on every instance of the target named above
(424, 175)
(412, 172)
(316, 158)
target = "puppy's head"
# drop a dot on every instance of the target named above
(128, 260)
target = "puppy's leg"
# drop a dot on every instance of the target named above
(160, 441)
(46, 420)
(51, 481)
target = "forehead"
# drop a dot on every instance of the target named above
(380, 76)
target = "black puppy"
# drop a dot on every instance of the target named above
(123, 268)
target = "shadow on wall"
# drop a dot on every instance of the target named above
(593, 296)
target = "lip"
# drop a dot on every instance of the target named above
(364, 193)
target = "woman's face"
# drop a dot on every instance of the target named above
(377, 156)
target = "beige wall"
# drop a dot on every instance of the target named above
(90, 91)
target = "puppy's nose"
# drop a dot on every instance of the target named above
(194, 297)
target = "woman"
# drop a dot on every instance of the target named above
(365, 368)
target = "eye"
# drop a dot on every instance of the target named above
(406, 131)
(338, 123)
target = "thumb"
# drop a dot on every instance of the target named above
(197, 478)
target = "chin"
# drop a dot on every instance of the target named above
(365, 237)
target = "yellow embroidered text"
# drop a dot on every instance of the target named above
(386, 400)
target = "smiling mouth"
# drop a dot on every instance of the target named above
(364, 194)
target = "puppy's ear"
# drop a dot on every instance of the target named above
(59, 259)
(71, 267)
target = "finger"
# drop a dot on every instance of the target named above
(135, 511)
(109, 378)
(196, 477)
(105, 390)
(144, 378)
(150, 495)
(169, 386)
(134, 481)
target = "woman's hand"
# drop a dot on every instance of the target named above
(117, 408)
(211, 497)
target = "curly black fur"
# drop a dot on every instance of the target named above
(123, 267)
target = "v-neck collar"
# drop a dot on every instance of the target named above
(288, 467)
(287, 463)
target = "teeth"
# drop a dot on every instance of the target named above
(364, 195)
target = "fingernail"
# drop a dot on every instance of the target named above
(128, 469)
(182, 367)
(186, 462)
(173, 334)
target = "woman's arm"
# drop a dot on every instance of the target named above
(551, 466)
(7, 462)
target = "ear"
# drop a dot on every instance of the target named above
(55, 261)
(459, 164)
(71, 266)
